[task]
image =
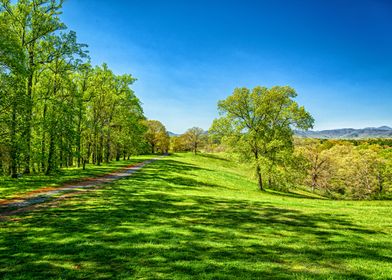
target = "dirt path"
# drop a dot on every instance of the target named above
(33, 199)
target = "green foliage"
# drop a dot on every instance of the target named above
(340, 169)
(179, 144)
(258, 124)
(56, 110)
(192, 140)
(156, 136)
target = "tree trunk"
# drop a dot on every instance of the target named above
(61, 151)
(259, 178)
(107, 152)
(29, 114)
(50, 155)
(79, 137)
(70, 155)
(43, 140)
(118, 154)
(87, 159)
(380, 183)
(14, 173)
(314, 182)
(94, 147)
(100, 150)
(258, 171)
(79, 126)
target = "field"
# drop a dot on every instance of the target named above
(199, 217)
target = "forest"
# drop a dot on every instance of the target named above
(56, 109)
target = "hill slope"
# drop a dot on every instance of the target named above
(197, 217)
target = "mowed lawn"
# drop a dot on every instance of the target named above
(197, 217)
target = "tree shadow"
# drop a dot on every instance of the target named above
(212, 156)
(292, 194)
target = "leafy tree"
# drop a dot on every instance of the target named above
(157, 136)
(56, 91)
(385, 170)
(259, 122)
(178, 143)
(127, 123)
(13, 71)
(55, 108)
(194, 137)
(31, 23)
(353, 171)
(318, 162)
(343, 169)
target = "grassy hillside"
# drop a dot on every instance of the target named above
(197, 217)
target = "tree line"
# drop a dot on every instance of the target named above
(356, 169)
(56, 109)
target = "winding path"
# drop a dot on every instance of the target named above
(32, 199)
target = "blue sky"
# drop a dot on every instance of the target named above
(187, 55)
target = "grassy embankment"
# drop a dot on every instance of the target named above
(198, 217)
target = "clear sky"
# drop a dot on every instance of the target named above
(187, 55)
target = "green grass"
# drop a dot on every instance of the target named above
(10, 188)
(198, 217)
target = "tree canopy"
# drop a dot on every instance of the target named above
(56, 109)
(259, 123)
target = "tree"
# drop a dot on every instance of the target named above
(55, 108)
(355, 171)
(194, 137)
(318, 162)
(385, 170)
(259, 122)
(340, 168)
(57, 91)
(13, 72)
(32, 22)
(157, 136)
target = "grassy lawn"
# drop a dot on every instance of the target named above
(10, 188)
(197, 217)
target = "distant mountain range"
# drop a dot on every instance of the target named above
(172, 134)
(348, 133)
(342, 133)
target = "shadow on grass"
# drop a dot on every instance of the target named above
(171, 173)
(212, 156)
(140, 228)
(292, 194)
